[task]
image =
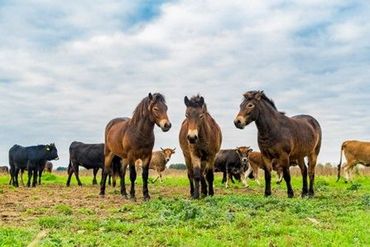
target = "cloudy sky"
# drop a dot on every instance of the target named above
(67, 68)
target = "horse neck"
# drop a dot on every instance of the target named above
(144, 127)
(204, 128)
(268, 121)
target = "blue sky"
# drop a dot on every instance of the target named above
(67, 68)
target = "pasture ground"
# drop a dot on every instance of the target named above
(54, 215)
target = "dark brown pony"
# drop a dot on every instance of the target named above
(133, 139)
(282, 139)
(200, 140)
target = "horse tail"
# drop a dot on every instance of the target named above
(340, 160)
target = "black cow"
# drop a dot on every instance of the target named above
(32, 159)
(90, 156)
(232, 162)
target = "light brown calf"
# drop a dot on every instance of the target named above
(355, 152)
(159, 161)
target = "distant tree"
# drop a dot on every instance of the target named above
(61, 168)
(178, 166)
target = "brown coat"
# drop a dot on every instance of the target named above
(355, 152)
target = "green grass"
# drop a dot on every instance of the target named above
(339, 215)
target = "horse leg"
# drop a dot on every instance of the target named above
(196, 175)
(132, 179)
(286, 175)
(122, 175)
(311, 173)
(106, 170)
(95, 171)
(303, 168)
(145, 176)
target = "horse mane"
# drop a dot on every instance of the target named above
(252, 95)
(142, 110)
(197, 101)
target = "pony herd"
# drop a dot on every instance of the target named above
(283, 141)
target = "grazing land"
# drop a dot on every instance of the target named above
(54, 215)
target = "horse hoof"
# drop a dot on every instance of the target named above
(146, 198)
(290, 195)
(124, 196)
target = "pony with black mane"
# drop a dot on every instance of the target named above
(200, 140)
(282, 139)
(133, 139)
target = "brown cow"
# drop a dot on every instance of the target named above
(355, 152)
(159, 161)
(256, 162)
(48, 166)
(4, 169)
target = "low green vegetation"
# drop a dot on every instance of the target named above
(339, 215)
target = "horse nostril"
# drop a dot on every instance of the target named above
(167, 125)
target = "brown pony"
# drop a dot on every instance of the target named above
(200, 140)
(133, 139)
(282, 139)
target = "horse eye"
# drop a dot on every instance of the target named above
(155, 109)
(250, 105)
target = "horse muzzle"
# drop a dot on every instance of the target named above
(165, 125)
(240, 122)
(192, 139)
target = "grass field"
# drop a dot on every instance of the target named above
(54, 215)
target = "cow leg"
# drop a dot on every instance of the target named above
(160, 177)
(15, 177)
(70, 173)
(29, 177)
(132, 179)
(40, 174)
(311, 173)
(224, 177)
(77, 175)
(22, 171)
(210, 178)
(95, 171)
(122, 175)
(303, 168)
(34, 182)
(106, 170)
(246, 176)
(145, 176)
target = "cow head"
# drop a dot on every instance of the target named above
(51, 152)
(167, 152)
(243, 153)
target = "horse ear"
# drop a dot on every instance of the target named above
(259, 95)
(202, 100)
(150, 96)
(248, 95)
(186, 101)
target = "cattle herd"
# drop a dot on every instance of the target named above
(283, 142)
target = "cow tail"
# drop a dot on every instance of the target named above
(340, 161)
(12, 169)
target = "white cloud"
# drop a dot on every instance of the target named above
(65, 74)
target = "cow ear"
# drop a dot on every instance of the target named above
(162, 149)
(173, 150)
(186, 101)
(150, 96)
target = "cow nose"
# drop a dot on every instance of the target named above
(192, 139)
